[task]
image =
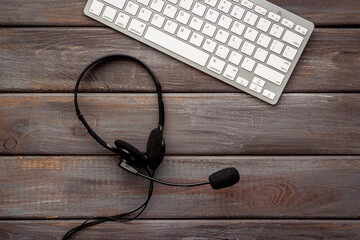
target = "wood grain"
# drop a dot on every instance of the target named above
(50, 60)
(70, 13)
(186, 229)
(270, 187)
(200, 124)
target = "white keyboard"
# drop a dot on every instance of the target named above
(251, 45)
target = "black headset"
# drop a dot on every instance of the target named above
(129, 154)
(131, 158)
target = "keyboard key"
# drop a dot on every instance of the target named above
(243, 82)
(131, 8)
(216, 65)
(196, 39)
(222, 36)
(279, 63)
(301, 30)
(264, 40)
(209, 29)
(183, 17)
(251, 34)
(269, 94)
(290, 53)
(222, 51)
(96, 7)
(276, 31)
(122, 20)
(170, 26)
(250, 18)
(276, 46)
(247, 4)
(116, 3)
(248, 48)
(225, 22)
(248, 64)
(137, 27)
(212, 15)
(199, 9)
(237, 12)
(144, 2)
(235, 42)
(255, 88)
(293, 38)
(287, 23)
(170, 11)
(186, 4)
(209, 45)
(235, 58)
(109, 14)
(260, 10)
(183, 33)
(196, 23)
(211, 2)
(274, 16)
(263, 24)
(157, 5)
(230, 72)
(144, 14)
(258, 81)
(238, 28)
(269, 74)
(224, 6)
(158, 20)
(173, 1)
(174, 45)
(261, 54)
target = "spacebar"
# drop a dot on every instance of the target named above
(174, 45)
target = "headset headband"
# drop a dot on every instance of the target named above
(112, 57)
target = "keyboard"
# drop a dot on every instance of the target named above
(251, 45)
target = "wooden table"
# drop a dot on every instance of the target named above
(299, 160)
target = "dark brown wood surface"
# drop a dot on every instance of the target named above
(188, 229)
(70, 13)
(270, 187)
(299, 160)
(327, 64)
(208, 123)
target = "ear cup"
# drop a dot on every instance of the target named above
(155, 149)
(130, 153)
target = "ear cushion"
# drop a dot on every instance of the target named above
(130, 153)
(155, 149)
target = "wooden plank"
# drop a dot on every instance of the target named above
(200, 124)
(187, 229)
(70, 13)
(50, 60)
(270, 187)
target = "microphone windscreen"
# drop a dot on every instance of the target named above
(224, 178)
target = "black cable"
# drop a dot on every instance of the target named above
(98, 220)
(173, 184)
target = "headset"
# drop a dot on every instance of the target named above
(131, 158)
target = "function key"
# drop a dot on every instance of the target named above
(274, 16)
(247, 4)
(96, 7)
(287, 23)
(301, 29)
(260, 10)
